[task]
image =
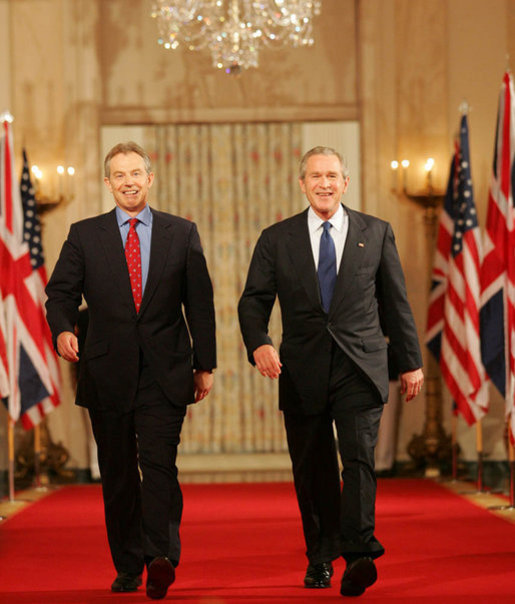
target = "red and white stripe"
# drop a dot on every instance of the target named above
(18, 288)
(460, 359)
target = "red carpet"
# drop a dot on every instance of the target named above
(242, 543)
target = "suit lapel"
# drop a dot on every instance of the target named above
(162, 235)
(301, 255)
(351, 257)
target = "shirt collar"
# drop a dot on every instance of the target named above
(337, 219)
(145, 216)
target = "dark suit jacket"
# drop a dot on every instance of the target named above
(369, 301)
(92, 263)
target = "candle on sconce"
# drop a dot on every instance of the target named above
(428, 167)
(71, 171)
(38, 174)
(394, 165)
(405, 166)
(60, 178)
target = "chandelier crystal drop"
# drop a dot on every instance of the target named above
(234, 31)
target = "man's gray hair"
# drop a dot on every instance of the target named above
(322, 151)
(125, 148)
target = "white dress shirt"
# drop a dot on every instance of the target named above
(340, 226)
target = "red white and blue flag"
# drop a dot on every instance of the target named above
(32, 236)
(498, 269)
(453, 334)
(29, 377)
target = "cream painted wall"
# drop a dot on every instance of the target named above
(398, 67)
(418, 61)
(475, 74)
(311, 83)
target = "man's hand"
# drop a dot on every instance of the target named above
(203, 381)
(68, 346)
(411, 383)
(267, 361)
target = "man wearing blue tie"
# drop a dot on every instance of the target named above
(341, 291)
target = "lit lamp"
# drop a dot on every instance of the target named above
(394, 165)
(54, 195)
(433, 444)
(428, 167)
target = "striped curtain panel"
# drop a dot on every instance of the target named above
(233, 180)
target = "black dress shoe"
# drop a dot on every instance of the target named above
(319, 575)
(126, 582)
(160, 575)
(358, 575)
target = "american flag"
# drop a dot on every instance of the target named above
(28, 373)
(32, 236)
(453, 318)
(498, 269)
(435, 313)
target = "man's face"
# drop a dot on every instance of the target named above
(324, 184)
(129, 182)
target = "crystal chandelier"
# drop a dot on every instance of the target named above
(234, 31)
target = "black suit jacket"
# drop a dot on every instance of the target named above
(92, 263)
(369, 301)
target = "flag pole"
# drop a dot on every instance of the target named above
(479, 448)
(511, 462)
(511, 457)
(454, 441)
(10, 456)
(37, 457)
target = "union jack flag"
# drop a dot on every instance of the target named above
(32, 235)
(498, 269)
(453, 317)
(30, 382)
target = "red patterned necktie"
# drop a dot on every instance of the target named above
(133, 256)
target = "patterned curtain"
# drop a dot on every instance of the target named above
(233, 180)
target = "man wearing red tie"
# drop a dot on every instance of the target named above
(149, 352)
(340, 285)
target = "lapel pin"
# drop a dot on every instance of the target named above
(361, 244)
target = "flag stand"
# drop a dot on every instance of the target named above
(480, 489)
(454, 441)
(511, 459)
(479, 447)
(37, 460)
(10, 455)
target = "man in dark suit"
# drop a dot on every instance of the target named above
(149, 352)
(332, 365)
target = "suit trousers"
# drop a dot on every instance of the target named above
(137, 454)
(338, 521)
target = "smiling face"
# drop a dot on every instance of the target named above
(324, 184)
(129, 182)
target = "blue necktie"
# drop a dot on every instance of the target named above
(326, 267)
